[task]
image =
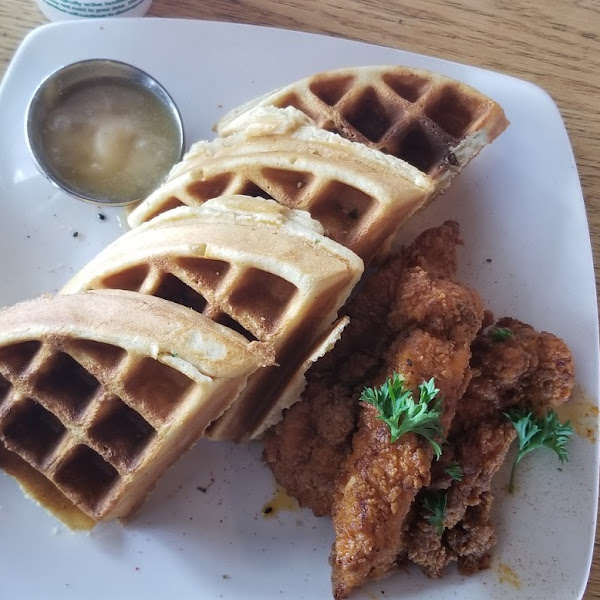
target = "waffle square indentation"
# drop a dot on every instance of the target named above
(452, 111)
(5, 387)
(263, 297)
(409, 86)
(121, 433)
(368, 115)
(106, 356)
(206, 272)
(32, 431)
(210, 187)
(341, 210)
(254, 190)
(290, 185)
(423, 148)
(130, 279)
(86, 476)
(65, 384)
(295, 100)
(155, 390)
(229, 322)
(168, 204)
(173, 289)
(331, 89)
(18, 357)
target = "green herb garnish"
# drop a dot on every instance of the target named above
(435, 504)
(546, 432)
(399, 411)
(500, 334)
(454, 470)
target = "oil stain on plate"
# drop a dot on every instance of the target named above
(278, 503)
(582, 412)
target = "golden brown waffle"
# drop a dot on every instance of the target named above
(360, 196)
(435, 123)
(251, 416)
(101, 391)
(250, 264)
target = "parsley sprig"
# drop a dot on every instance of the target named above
(401, 413)
(454, 470)
(434, 503)
(500, 334)
(545, 432)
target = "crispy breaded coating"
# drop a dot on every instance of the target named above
(480, 453)
(523, 368)
(368, 511)
(435, 320)
(472, 538)
(335, 456)
(314, 439)
(530, 369)
(300, 450)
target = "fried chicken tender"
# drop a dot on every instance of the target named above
(480, 453)
(472, 538)
(306, 450)
(528, 369)
(308, 446)
(435, 320)
(334, 455)
(380, 483)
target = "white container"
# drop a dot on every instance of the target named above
(63, 10)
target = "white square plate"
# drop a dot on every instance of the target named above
(526, 250)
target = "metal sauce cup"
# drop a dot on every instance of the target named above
(54, 91)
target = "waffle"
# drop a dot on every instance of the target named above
(101, 391)
(241, 423)
(435, 123)
(360, 196)
(251, 264)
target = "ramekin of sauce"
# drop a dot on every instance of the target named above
(104, 131)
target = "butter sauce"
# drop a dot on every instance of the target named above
(111, 139)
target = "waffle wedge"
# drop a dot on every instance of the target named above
(359, 195)
(100, 392)
(435, 123)
(252, 265)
